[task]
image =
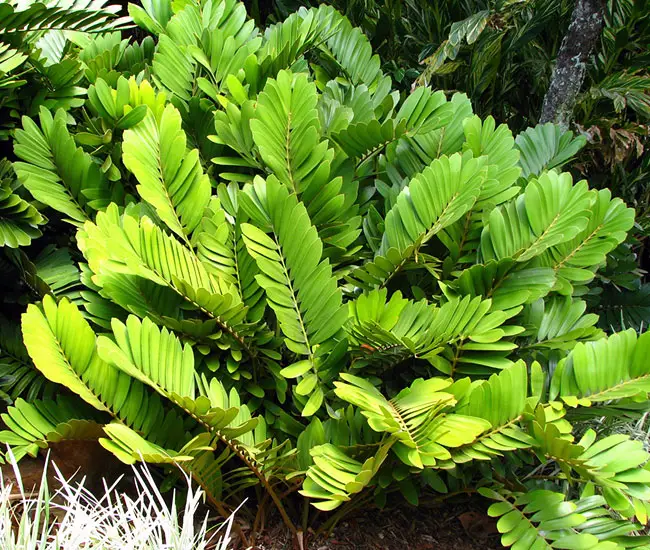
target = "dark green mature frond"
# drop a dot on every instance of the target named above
(296, 279)
(80, 15)
(546, 146)
(352, 51)
(542, 519)
(612, 368)
(552, 211)
(298, 283)
(503, 282)
(285, 42)
(609, 222)
(422, 112)
(19, 220)
(412, 155)
(559, 323)
(18, 376)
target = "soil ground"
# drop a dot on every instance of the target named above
(462, 525)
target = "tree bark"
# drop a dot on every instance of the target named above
(569, 72)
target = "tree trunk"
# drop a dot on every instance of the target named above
(569, 72)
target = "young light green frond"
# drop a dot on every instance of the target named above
(130, 447)
(57, 172)
(122, 108)
(143, 250)
(500, 401)
(552, 211)
(410, 416)
(34, 425)
(612, 368)
(545, 147)
(62, 346)
(170, 178)
(19, 220)
(335, 477)
(434, 199)
(152, 355)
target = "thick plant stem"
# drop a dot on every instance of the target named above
(569, 72)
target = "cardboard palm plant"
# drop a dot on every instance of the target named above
(288, 280)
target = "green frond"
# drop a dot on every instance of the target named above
(559, 323)
(335, 477)
(285, 42)
(616, 464)
(10, 60)
(422, 112)
(19, 220)
(130, 447)
(152, 355)
(57, 172)
(412, 155)
(18, 376)
(145, 252)
(410, 417)
(503, 282)
(36, 424)
(475, 337)
(434, 199)
(608, 369)
(170, 178)
(541, 519)
(299, 285)
(609, 222)
(62, 346)
(125, 104)
(484, 138)
(78, 15)
(551, 211)
(221, 249)
(352, 52)
(546, 146)
(288, 137)
(500, 401)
